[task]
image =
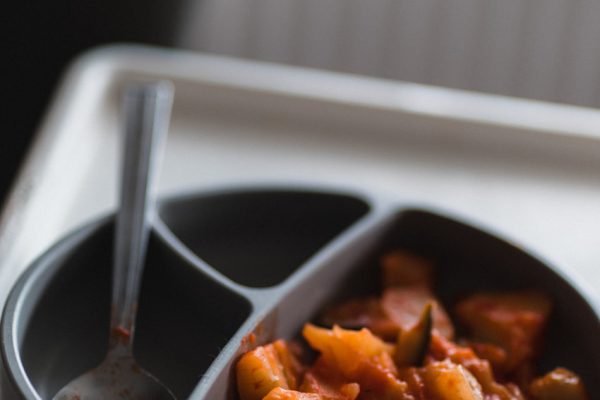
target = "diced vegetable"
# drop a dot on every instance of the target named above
(398, 310)
(447, 381)
(412, 344)
(343, 349)
(559, 384)
(443, 349)
(404, 306)
(514, 321)
(358, 356)
(266, 368)
(401, 268)
(362, 313)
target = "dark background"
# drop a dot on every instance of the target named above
(42, 37)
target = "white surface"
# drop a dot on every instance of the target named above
(526, 170)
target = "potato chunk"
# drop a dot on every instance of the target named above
(559, 384)
(404, 307)
(514, 321)
(265, 368)
(345, 349)
(443, 349)
(447, 381)
(358, 356)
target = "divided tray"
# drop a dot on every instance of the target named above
(389, 159)
(224, 264)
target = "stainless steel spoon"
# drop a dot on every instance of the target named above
(147, 112)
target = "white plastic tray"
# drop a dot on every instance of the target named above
(528, 171)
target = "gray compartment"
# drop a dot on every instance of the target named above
(258, 238)
(184, 319)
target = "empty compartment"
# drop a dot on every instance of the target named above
(184, 318)
(467, 261)
(258, 238)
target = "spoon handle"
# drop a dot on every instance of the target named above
(147, 109)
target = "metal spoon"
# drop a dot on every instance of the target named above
(147, 112)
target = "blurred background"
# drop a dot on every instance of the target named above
(540, 49)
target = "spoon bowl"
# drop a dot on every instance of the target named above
(118, 377)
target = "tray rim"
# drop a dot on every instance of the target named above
(484, 108)
(555, 122)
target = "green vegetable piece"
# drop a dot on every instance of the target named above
(412, 344)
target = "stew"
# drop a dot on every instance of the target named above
(402, 345)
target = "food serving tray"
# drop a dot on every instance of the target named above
(524, 170)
